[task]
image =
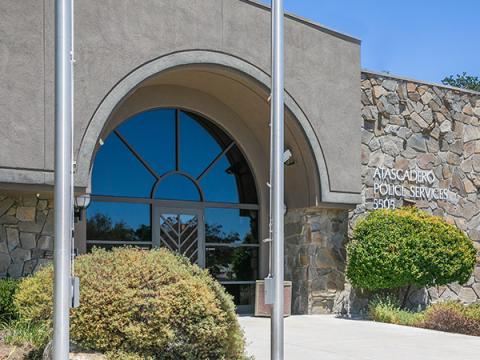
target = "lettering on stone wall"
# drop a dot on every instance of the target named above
(392, 185)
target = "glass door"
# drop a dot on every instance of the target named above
(180, 230)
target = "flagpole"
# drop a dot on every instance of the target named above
(63, 177)
(277, 185)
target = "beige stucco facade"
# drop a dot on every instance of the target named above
(212, 58)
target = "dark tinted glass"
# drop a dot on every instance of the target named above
(118, 221)
(240, 169)
(219, 184)
(242, 294)
(152, 135)
(197, 146)
(227, 264)
(177, 187)
(117, 172)
(231, 226)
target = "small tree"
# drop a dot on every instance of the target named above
(404, 247)
(463, 81)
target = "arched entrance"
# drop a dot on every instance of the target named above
(172, 178)
(225, 96)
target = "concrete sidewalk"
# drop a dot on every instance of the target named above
(324, 337)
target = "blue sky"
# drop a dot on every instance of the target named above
(422, 39)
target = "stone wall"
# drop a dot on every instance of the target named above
(26, 234)
(315, 258)
(409, 125)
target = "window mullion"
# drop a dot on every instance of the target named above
(216, 160)
(177, 140)
(136, 154)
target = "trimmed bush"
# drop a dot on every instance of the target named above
(397, 248)
(147, 303)
(8, 287)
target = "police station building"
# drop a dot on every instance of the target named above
(172, 142)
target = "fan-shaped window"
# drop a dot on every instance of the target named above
(155, 144)
(196, 185)
(177, 187)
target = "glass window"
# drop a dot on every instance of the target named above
(118, 221)
(232, 264)
(178, 147)
(242, 294)
(177, 187)
(219, 184)
(198, 148)
(231, 226)
(152, 135)
(117, 172)
(244, 180)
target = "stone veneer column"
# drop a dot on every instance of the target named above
(315, 258)
(26, 234)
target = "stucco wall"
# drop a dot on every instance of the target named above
(115, 37)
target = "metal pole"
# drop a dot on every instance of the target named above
(63, 177)
(277, 330)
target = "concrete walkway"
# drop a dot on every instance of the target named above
(325, 337)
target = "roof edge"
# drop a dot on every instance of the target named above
(404, 78)
(308, 22)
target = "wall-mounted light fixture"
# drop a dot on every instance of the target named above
(81, 202)
(288, 157)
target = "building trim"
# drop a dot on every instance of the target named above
(307, 22)
(422, 82)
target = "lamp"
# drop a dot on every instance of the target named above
(288, 157)
(81, 202)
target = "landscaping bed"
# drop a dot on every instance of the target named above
(447, 316)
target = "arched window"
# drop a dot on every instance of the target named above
(168, 177)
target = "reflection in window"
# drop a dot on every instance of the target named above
(118, 222)
(117, 172)
(91, 246)
(231, 226)
(227, 263)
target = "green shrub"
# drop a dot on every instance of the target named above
(388, 310)
(7, 291)
(145, 303)
(397, 248)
